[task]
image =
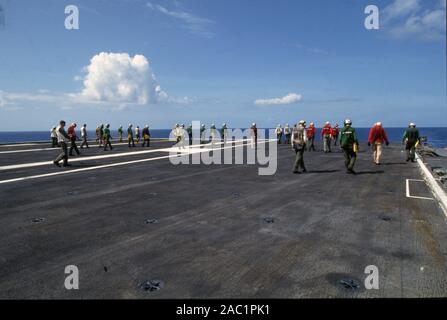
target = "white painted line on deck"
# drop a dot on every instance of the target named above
(107, 156)
(408, 190)
(121, 163)
(57, 148)
(438, 192)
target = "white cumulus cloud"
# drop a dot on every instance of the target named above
(287, 99)
(118, 77)
(416, 19)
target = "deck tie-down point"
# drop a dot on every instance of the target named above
(269, 220)
(152, 285)
(38, 220)
(350, 284)
(151, 221)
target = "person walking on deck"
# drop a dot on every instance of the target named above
(349, 145)
(146, 136)
(137, 134)
(120, 133)
(97, 134)
(411, 139)
(189, 131)
(107, 138)
(334, 133)
(179, 135)
(72, 134)
(254, 135)
(130, 136)
(213, 134)
(278, 132)
(101, 135)
(84, 136)
(326, 136)
(53, 135)
(62, 139)
(287, 133)
(224, 133)
(311, 131)
(202, 133)
(377, 137)
(299, 140)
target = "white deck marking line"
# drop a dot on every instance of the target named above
(438, 192)
(408, 190)
(116, 164)
(115, 155)
(57, 148)
(18, 144)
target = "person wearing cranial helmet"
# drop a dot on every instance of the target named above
(349, 145)
(411, 139)
(377, 137)
(299, 140)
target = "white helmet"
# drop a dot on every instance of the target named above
(327, 122)
(302, 122)
(412, 124)
(253, 124)
(348, 121)
(379, 124)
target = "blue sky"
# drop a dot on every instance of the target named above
(222, 61)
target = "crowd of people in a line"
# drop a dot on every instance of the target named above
(300, 137)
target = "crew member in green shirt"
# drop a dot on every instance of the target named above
(411, 139)
(349, 145)
(120, 133)
(107, 138)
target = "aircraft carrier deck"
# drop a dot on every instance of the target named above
(216, 231)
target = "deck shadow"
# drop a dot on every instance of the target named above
(322, 171)
(392, 163)
(370, 172)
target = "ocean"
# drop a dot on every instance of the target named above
(437, 137)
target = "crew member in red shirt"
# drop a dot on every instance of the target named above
(326, 135)
(377, 136)
(334, 133)
(311, 136)
(72, 134)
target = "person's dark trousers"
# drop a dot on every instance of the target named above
(411, 151)
(84, 142)
(130, 140)
(148, 142)
(74, 147)
(63, 155)
(190, 139)
(350, 157)
(279, 136)
(288, 138)
(335, 140)
(327, 143)
(311, 144)
(107, 143)
(121, 138)
(299, 158)
(53, 142)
